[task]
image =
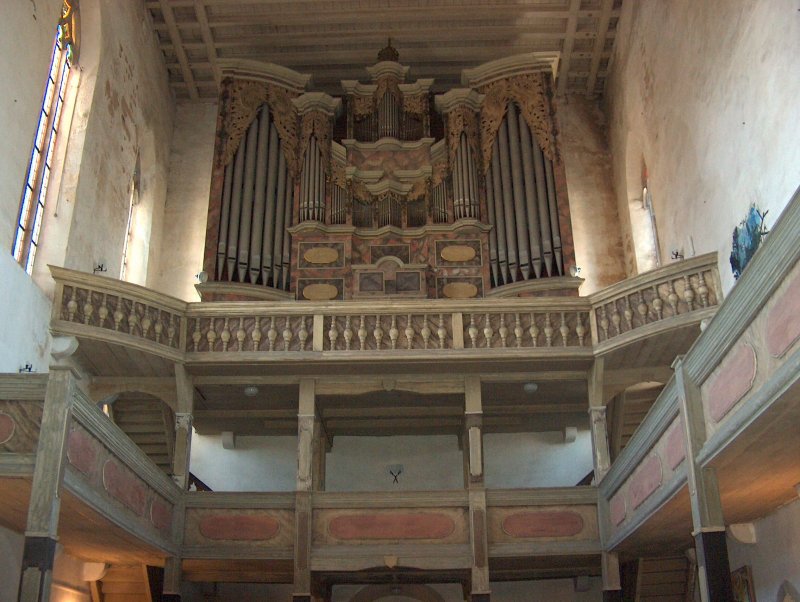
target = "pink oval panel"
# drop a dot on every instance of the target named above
(124, 486)
(7, 426)
(411, 525)
(617, 508)
(645, 481)
(783, 320)
(543, 524)
(239, 527)
(675, 447)
(732, 382)
(82, 451)
(161, 514)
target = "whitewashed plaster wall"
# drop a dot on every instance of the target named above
(595, 223)
(705, 93)
(186, 210)
(775, 557)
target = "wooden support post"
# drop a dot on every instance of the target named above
(183, 427)
(41, 534)
(309, 450)
(597, 421)
(473, 481)
(612, 587)
(172, 580)
(709, 526)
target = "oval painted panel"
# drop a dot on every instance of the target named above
(392, 526)
(733, 380)
(320, 292)
(543, 524)
(7, 427)
(783, 320)
(645, 481)
(239, 527)
(321, 255)
(161, 514)
(459, 290)
(82, 450)
(458, 253)
(124, 486)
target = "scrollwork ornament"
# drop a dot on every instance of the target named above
(416, 104)
(384, 84)
(529, 92)
(318, 124)
(461, 119)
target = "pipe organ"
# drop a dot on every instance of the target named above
(385, 208)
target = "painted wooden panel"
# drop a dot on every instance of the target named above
(399, 525)
(239, 527)
(645, 481)
(533, 524)
(783, 320)
(19, 426)
(733, 379)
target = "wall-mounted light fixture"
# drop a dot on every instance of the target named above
(202, 277)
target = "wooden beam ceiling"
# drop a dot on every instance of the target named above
(334, 40)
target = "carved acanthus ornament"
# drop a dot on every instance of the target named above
(384, 84)
(416, 104)
(362, 105)
(462, 119)
(338, 175)
(245, 100)
(316, 123)
(530, 93)
(440, 172)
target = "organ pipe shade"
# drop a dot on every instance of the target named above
(256, 210)
(525, 240)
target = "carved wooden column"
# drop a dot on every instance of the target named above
(473, 459)
(597, 421)
(41, 534)
(310, 459)
(709, 526)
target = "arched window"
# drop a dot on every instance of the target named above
(40, 166)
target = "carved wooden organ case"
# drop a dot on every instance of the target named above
(388, 191)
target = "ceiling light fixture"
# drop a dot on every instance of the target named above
(251, 390)
(530, 388)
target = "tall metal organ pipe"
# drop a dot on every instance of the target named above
(525, 240)
(253, 245)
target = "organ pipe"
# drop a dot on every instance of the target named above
(247, 200)
(534, 235)
(257, 232)
(554, 228)
(494, 264)
(236, 205)
(508, 202)
(270, 227)
(518, 193)
(280, 209)
(544, 222)
(497, 187)
(223, 219)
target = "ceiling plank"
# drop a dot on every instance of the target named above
(177, 44)
(599, 43)
(208, 38)
(569, 44)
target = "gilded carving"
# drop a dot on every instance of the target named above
(246, 98)
(318, 124)
(462, 119)
(384, 84)
(529, 92)
(362, 105)
(416, 104)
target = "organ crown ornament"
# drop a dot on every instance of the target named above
(389, 53)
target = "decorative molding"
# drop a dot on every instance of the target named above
(510, 66)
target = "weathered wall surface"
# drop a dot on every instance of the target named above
(187, 200)
(595, 222)
(705, 94)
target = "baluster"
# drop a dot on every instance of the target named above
(534, 331)
(287, 334)
(171, 330)
(348, 333)
(616, 319)
(272, 333)
(628, 312)
(159, 327)
(672, 297)
(256, 334)
(72, 304)
(211, 335)
(441, 332)
(642, 308)
(147, 321)
(118, 315)
(702, 289)
(241, 334)
(580, 330)
(409, 332)
(378, 332)
(425, 332)
(688, 292)
(226, 334)
(488, 332)
(564, 329)
(658, 304)
(88, 309)
(362, 334)
(393, 332)
(603, 321)
(333, 333)
(517, 330)
(196, 335)
(473, 331)
(503, 331)
(302, 334)
(133, 318)
(102, 312)
(548, 330)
